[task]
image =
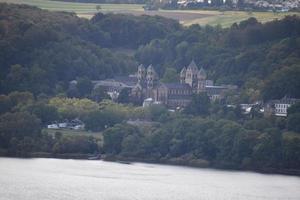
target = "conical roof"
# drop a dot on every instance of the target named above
(150, 68)
(202, 72)
(141, 66)
(183, 70)
(192, 66)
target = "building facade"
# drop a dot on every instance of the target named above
(279, 107)
(179, 94)
(145, 84)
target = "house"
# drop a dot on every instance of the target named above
(279, 107)
(62, 125)
(75, 124)
(52, 126)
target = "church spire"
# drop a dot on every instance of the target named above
(182, 75)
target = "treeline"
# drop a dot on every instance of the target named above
(257, 57)
(22, 118)
(204, 134)
(207, 143)
(211, 136)
(41, 51)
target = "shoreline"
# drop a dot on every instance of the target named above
(274, 171)
(173, 162)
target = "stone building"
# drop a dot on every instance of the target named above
(179, 94)
(145, 84)
(194, 77)
(174, 94)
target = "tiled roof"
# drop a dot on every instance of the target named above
(180, 97)
(177, 86)
(202, 72)
(193, 66)
(285, 100)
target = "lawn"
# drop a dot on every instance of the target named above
(186, 17)
(71, 132)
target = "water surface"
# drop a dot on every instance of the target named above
(49, 179)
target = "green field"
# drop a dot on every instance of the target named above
(186, 17)
(79, 8)
(70, 132)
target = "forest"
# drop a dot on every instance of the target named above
(42, 51)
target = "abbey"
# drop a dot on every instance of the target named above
(179, 94)
(145, 84)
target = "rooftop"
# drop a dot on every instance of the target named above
(177, 86)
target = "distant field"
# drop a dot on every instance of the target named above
(186, 17)
(79, 8)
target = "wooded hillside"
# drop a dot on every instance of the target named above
(42, 51)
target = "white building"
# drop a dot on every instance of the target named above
(52, 126)
(280, 107)
(148, 102)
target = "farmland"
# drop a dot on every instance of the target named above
(186, 17)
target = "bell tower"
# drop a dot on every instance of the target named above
(201, 80)
(191, 75)
(182, 75)
(141, 74)
(151, 77)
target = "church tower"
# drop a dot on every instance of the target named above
(141, 74)
(151, 77)
(191, 75)
(201, 80)
(182, 75)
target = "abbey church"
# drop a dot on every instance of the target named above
(192, 81)
(145, 84)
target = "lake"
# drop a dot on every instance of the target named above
(49, 179)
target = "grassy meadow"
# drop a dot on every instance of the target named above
(186, 17)
(69, 132)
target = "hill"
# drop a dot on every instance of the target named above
(222, 17)
(42, 51)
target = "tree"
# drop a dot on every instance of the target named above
(113, 138)
(98, 8)
(17, 78)
(124, 96)
(98, 94)
(158, 112)
(76, 144)
(71, 108)
(295, 108)
(5, 104)
(283, 82)
(170, 76)
(100, 120)
(84, 86)
(119, 137)
(293, 122)
(21, 98)
(44, 112)
(199, 105)
(18, 125)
